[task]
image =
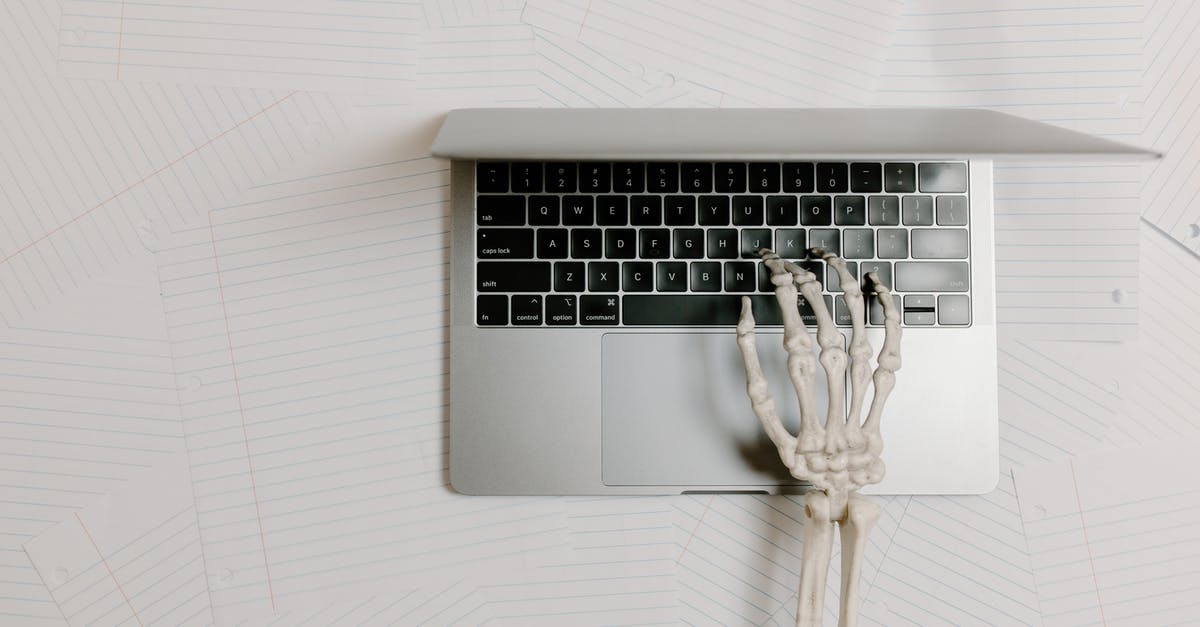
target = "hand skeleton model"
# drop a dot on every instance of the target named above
(842, 456)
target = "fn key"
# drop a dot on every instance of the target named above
(491, 310)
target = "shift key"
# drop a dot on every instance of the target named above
(932, 276)
(512, 276)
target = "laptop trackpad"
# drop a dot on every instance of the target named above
(675, 410)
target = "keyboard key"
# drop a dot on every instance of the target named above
(512, 276)
(620, 243)
(578, 210)
(893, 243)
(527, 177)
(858, 243)
(662, 178)
(603, 276)
(850, 210)
(585, 243)
(599, 310)
(952, 210)
(740, 276)
(798, 178)
(707, 309)
(754, 240)
(918, 318)
(899, 177)
(671, 276)
(722, 243)
(827, 240)
(883, 210)
(491, 310)
(612, 210)
(763, 178)
(865, 178)
(841, 313)
(679, 211)
(562, 310)
(654, 243)
(695, 178)
(833, 282)
(831, 177)
(939, 243)
(527, 309)
(918, 210)
(594, 177)
(637, 276)
(815, 267)
(560, 177)
(706, 276)
(543, 210)
(790, 243)
(748, 210)
(730, 177)
(918, 302)
(552, 243)
(504, 244)
(875, 310)
(954, 309)
(500, 210)
(882, 269)
(782, 211)
(629, 177)
(714, 210)
(645, 210)
(491, 176)
(764, 279)
(816, 210)
(943, 177)
(687, 243)
(932, 276)
(569, 276)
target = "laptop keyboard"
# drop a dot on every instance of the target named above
(674, 244)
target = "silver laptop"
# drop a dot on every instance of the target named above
(598, 260)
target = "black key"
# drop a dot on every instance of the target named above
(560, 177)
(764, 279)
(917, 210)
(714, 210)
(833, 281)
(569, 276)
(730, 177)
(831, 177)
(491, 176)
(893, 243)
(603, 276)
(866, 178)
(706, 276)
(562, 310)
(654, 243)
(687, 243)
(679, 211)
(586, 244)
(504, 244)
(939, 243)
(491, 310)
(645, 210)
(740, 276)
(637, 276)
(512, 276)
(952, 210)
(594, 177)
(798, 178)
(763, 178)
(578, 210)
(954, 309)
(875, 311)
(612, 210)
(599, 310)
(754, 240)
(552, 244)
(527, 177)
(695, 178)
(884, 210)
(782, 211)
(748, 210)
(629, 177)
(790, 243)
(932, 276)
(672, 276)
(827, 240)
(500, 210)
(841, 313)
(706, 309)
(543, 210)
(850, 210)
(662, 178)
(882, 269)
(899, 177)
(620, 243)
(943, 177)
(722, 243)
(858, 243)
(526, 309)
(816, 210)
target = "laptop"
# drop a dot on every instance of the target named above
(599, 258)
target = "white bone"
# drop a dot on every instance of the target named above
(814, 564)
(860, 349)
(800, 362)
(861, 514)
(756, 388)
